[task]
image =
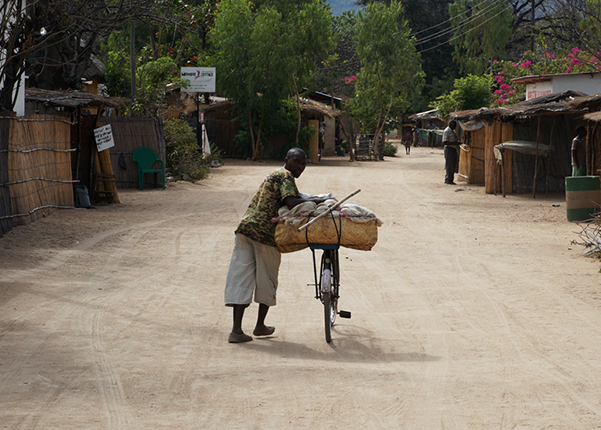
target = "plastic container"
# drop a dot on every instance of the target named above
(583, 197)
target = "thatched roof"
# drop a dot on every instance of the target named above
(73, 99)
(306, 105)
(558, 103)
(313, 106)
(594, 116)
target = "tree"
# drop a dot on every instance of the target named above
(429, 23)
(54, 39)
(262, 53)
(152, 79)
(333, 74)
(504, 29)
(390, 68)
(471, 92)
(482, 32)
(312, 42)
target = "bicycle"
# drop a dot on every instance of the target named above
(328, 287)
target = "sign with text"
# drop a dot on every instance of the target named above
(202, 79)
(104, 137)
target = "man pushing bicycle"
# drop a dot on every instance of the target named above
(255, 259)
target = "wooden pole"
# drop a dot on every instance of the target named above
(593, 148)
(536, 159)
(503, 169)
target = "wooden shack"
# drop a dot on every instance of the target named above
(549, 120)
(471, 152)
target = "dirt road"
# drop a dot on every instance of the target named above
(473, 311)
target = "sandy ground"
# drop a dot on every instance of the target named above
(472, 311)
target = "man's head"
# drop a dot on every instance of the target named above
(296, 161)
(452, 124)
(581, 130)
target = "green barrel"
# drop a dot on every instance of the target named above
(583, 197)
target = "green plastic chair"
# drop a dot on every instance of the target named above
(145, 158)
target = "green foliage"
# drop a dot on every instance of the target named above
(483, 29)
(283, 121)
(152, 80)
(259, 50)
(183, 154)
(389, 149)
(471, 92)
(116, 74)
(390, 67)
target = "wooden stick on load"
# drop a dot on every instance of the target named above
(302, 227)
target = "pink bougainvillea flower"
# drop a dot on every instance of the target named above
(575, 50)
(526, 64)
(505, 87)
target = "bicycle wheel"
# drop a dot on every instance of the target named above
(325, 284)
(327, 309)
(334, 286)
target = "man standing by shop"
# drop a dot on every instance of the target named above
(451, 143)
(255, 261)
(579, 152)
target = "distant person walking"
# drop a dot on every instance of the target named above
(579, 152)
(407, 142)
(451, 143)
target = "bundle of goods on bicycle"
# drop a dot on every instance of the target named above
(349, 225)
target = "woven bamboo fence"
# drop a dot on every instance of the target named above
(39, 167)
(555, 130)
(130, 134)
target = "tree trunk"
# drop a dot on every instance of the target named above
(155, 53)
(380, 128)
(252, 135)
(298, 123)
(258, 141)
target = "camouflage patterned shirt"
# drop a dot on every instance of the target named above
(256, 222)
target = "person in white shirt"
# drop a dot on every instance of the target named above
(451, 143)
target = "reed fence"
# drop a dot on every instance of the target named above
(130, 134)
(38, 159)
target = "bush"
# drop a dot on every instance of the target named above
(184, 158)
(389, 149)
